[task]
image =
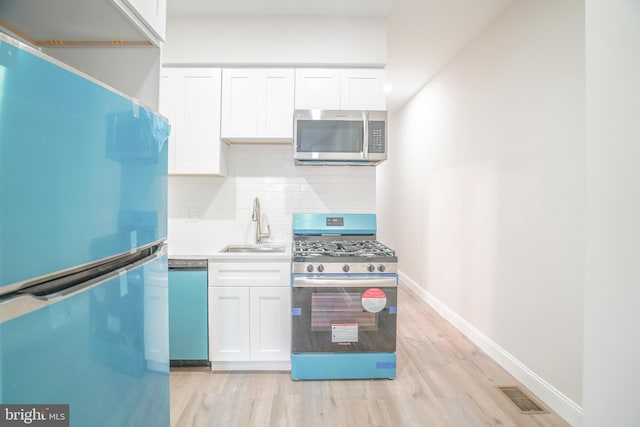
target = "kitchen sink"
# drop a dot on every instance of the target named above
(256, 249)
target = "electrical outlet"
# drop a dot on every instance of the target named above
(193, 215)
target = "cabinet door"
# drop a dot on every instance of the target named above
(190, 99)
(317, 88)
(199, 150)
(257, 105)
(229, 336)
(275, 116)
(270, 309)
(362, 89)
(239, 106)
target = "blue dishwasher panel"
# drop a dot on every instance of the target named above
(188, 321)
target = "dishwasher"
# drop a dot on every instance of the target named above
(188, 318)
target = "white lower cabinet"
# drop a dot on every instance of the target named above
(270, 323)
(229, 324)
(249, 315)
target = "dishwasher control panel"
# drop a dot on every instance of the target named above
(187, 264)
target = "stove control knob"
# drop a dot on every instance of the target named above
(310, 268)
(345, 268)
(371, 268)
(320, 268)
(381, 268)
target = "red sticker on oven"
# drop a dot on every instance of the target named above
(374, 300)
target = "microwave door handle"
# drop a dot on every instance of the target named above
(365, 137)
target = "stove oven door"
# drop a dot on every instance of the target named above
(338, 314)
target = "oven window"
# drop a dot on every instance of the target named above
(335, 319)
(328, 309)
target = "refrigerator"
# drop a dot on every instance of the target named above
(83, 264)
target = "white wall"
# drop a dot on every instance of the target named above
(612, 292)
(423, 35)
(275, 40)
(483, 196)
(225, 204)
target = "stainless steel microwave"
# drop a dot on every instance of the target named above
(339, 137)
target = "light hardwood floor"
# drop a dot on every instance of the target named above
(442, 380)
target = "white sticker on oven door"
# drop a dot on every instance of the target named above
(374, 300)
(344, 332)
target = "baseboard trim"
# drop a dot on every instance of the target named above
(548, 394)
(275, 365)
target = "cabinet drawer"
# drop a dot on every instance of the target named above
(249, 274)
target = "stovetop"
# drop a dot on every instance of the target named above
(339, 244)
(337, 249)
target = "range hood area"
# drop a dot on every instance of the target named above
(96, 22)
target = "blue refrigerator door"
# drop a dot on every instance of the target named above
(83, 169)
(103, 351)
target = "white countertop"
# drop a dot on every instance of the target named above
(216, 255)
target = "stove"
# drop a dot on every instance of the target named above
(344, 299)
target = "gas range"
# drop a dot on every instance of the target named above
(344, 299)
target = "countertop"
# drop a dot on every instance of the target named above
(216, 255)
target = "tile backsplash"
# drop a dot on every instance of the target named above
(208, 213)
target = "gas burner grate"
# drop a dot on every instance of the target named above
(341, 248)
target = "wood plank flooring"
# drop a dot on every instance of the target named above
(442, 380)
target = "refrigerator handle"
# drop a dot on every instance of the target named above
(24, 302)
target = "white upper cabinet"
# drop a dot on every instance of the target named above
(317, 89)
(362, 89)
(64, 23)
(150, 15)
(190, 99)
(257, 104)
(275, 117)
(340, 89)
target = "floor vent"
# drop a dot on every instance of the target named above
(525, 404)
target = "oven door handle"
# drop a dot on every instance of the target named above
(344, 282)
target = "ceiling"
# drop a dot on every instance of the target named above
(422, 35)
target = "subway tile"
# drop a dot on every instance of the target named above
(267, 172)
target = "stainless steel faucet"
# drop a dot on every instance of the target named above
(257, 217)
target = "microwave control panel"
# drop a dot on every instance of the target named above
(377, 137)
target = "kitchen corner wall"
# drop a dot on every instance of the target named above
(207, 213)
(484, 195)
